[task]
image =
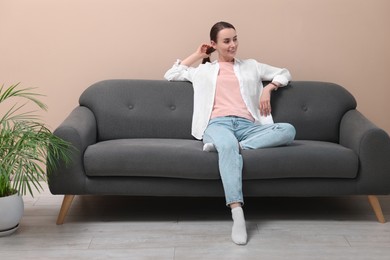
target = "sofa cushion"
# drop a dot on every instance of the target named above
(150, 157)
(178, 158)
(140, 108)
(302, 159)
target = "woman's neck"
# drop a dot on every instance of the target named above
(225, 60)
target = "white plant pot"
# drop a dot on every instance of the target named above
(11, 212)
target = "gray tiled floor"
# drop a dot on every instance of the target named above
(189, 228)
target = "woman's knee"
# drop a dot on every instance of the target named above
(227, 146)
(289, 131)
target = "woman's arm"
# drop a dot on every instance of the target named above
(265, 98)
(181, 69)
(199, 54)
(279, 78)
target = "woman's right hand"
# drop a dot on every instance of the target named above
(203, 50)
(200, 53)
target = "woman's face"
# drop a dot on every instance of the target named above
(226, 44)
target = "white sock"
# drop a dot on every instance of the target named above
(209, 147)
(239, 235)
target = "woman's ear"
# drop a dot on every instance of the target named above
(213, 44)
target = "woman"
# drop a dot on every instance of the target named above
(232, 110)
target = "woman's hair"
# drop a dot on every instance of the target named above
(213, 35)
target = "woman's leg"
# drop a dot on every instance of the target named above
(230, 167)
(229, 158)
(263, 136)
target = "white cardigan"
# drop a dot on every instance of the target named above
(250, 74)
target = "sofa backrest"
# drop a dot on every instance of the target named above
(162, 109)
(315, 109)
(140, 108)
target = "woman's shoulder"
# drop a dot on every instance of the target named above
(208, 66)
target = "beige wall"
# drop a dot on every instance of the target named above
(63, 46)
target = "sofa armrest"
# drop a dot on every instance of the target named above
(372, 145)
(79, 128)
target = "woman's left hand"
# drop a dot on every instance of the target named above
(265, 103)
(265, 100)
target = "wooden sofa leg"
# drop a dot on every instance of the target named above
(377, 208)
(64, 208)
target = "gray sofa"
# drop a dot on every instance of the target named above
(133, 138)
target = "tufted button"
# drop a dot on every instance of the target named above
(304, 108)
(172, 107)
(131, 106)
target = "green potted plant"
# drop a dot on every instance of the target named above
(26, 147)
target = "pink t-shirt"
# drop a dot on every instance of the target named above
(228, 100)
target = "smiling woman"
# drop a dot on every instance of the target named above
(226, 37)
(232, 110)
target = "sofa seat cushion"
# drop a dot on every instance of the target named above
(181, 158)
(302, 159)
(176, 158)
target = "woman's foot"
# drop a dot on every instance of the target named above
(239, 235)
(209, 147)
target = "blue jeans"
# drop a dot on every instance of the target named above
(229, 134)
